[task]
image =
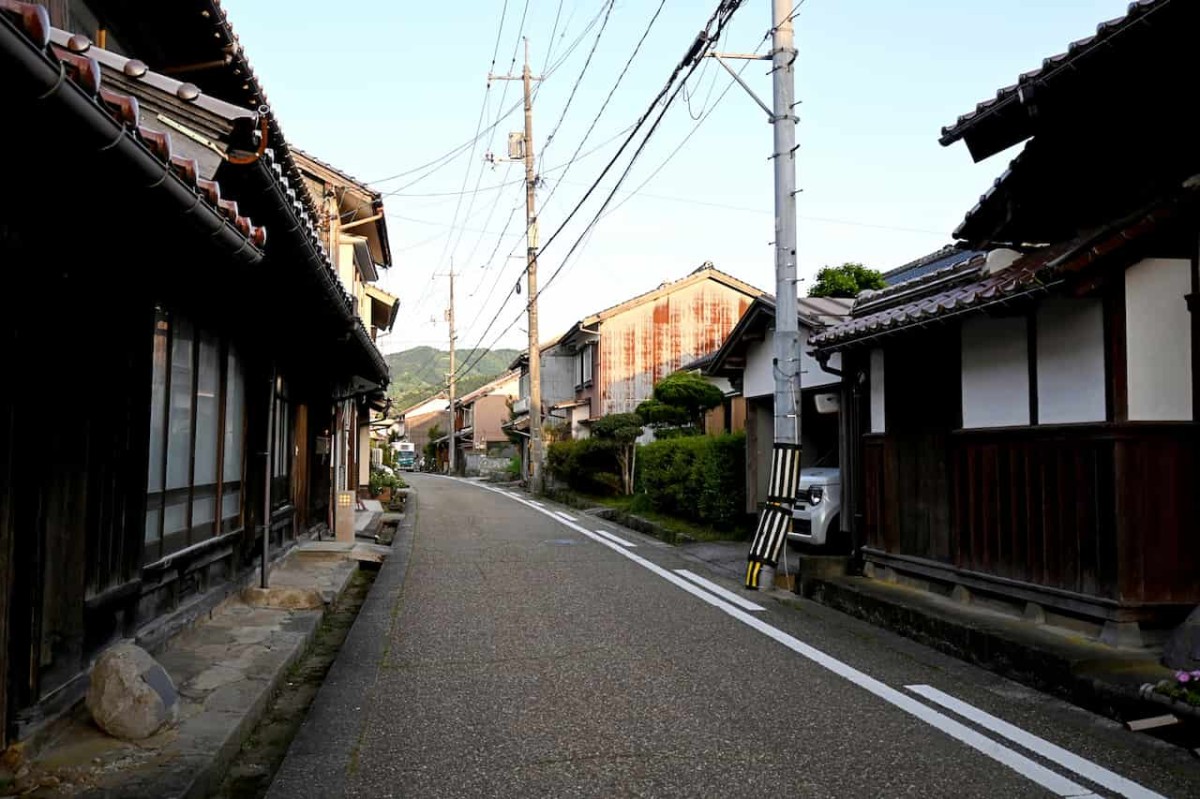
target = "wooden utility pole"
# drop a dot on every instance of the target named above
(531, 252)
(450, 318)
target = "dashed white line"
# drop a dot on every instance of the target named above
(728, 596)
(618, 541)
(1026, 767)
(1039, 746)
(564, 516)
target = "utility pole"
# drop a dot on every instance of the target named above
(450, 317)
(776, 518)
(531, 252)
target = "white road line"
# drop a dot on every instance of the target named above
(618, 541)
(565, 516)
(1030, 769)
(729, 596)
(534, 502)
(1056, 754)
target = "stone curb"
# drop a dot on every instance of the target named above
(1040, 667)
(323, 751)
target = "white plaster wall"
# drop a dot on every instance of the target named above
(758, 378)
(877, 392)
(1070, 361)
(811, 374)
(995, 372)
(1158, 340)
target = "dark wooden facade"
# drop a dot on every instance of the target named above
(1098, 520)
(105, 251)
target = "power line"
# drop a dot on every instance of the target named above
(603, 106)
(704, 40)
(579, 78)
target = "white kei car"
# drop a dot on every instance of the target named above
(818, 507)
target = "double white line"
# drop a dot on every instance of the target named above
(737, 607)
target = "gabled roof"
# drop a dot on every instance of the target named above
(1037, 272)
(815, 313)
(440, 396)
(356, 202)
(522, 358)
(488, 388)
(1117, 47)
(705, 272)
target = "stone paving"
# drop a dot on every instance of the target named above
(226, 669)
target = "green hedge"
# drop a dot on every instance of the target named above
(588, 465)
(702, 478)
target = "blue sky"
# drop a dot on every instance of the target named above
(378, 88)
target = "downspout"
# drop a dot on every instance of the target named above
(268, 472)
(1193, 304)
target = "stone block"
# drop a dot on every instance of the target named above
(1182, 650)
(130, 695)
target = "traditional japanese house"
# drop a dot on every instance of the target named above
(1023, 423)
(609, 361)
(174, 333)
(746, 360)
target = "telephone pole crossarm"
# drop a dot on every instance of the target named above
(720, 57)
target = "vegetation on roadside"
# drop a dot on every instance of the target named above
(380, 480)
(684, 478)
(1185, 687)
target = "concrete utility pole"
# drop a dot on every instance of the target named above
(531, 252)
(776, 518)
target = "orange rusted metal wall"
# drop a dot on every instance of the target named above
(645, 343)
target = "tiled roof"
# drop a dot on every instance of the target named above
(946, 257)
(1036, 271)
(705, 271)
(487, 388)
(937, 273)
(1051, 67)
(76, 61)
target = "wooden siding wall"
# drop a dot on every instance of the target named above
(1106, 511)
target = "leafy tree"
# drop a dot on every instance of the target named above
(622, 431)
(680, 401)
(846, 280)
(435, 432)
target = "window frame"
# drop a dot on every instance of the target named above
(165, 545)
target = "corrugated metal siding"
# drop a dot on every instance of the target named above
(644, 344)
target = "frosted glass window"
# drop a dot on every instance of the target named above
(158, 404)
(197, 436)
(208, 410)
(179, 430)
(231, 509)
(235, 410)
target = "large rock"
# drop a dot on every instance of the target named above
(1182, 650)
(130, 695)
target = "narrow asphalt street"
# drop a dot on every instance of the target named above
(508, 649)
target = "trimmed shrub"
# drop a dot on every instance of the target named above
(702, 478)
(588, 465)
